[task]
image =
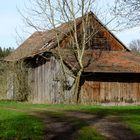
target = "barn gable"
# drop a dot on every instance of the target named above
(40, 42)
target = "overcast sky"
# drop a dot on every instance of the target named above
(10, 21)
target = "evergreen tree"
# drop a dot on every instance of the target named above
(4, 52)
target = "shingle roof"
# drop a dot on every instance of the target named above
(105, 61)
(38, 42)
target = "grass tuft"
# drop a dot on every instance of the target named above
(89, 133)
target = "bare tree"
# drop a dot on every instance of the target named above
(48, 14)
(135, 46)
(14, 81)
(128, 13)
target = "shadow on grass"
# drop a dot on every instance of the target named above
(113, 122)
(61, 127)
(125, 120)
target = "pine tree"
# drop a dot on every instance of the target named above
(4, 52)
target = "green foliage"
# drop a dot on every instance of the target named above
(5, 51)
(89, 133)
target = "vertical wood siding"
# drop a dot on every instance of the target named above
(108, 92)
(45, 84)
(46, 87)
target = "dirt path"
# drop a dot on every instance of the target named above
(62, 125)
(110, 127)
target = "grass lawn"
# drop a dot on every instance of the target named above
(18, 125)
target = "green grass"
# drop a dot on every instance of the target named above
(20, 125)
(17, 125)
(88, 133)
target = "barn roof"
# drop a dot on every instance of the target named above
(39, 41)
(94, 61)
(105, 61)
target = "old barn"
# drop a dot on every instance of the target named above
(111, 72)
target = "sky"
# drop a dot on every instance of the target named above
(11, 22)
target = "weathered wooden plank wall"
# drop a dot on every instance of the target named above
(100, 88)
(45, 84)
(46, 87)
(109, 92)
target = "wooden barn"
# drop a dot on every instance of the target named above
(111, 72)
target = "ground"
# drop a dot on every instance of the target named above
(23, 121)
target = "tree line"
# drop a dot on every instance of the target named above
(5, 51)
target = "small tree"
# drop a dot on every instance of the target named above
(14, 81)
(3, 71)
(135, 46)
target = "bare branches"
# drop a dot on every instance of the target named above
(135, 46)
(128, 13)
(14, 81)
